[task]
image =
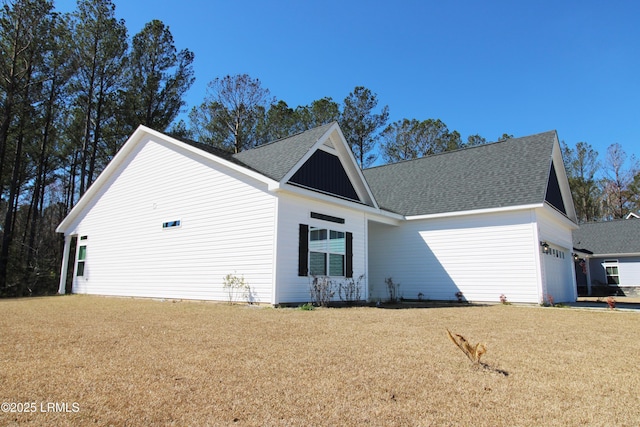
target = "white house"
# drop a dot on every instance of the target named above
(170, 218)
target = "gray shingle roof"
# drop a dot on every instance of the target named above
(609, 237)
(509, 173)
(277, 158)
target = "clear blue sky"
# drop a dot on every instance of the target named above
(485, 67)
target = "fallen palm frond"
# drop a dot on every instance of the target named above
(473, 352)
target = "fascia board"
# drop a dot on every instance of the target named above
(475, 212)
(111, 167)
(561, 172)
(127, 148)
(219, 160)
(551, 210)
(313, 195)
(346, 150)
(614, 255)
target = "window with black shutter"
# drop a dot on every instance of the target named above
(325, 252)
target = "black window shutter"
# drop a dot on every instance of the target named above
(303, 251)
(349, 259)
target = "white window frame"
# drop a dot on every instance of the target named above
(611, 263)
(327, 250)
(81, 257)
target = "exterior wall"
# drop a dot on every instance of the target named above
(294, 210)
(559, 280)
(628, 269)
(227, 226)
(482, 256)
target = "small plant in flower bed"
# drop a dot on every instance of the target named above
(322, 291)
(393, 288)
(307, 307)
(547, 301)
(503, 299)
(236, 288)
(611, 302)
(460, 296)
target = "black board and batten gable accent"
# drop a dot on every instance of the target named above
(554, 195)
(324, 172)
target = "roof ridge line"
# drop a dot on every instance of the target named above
(457, 150)
(287, 137)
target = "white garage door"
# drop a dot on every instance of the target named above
(558, 270)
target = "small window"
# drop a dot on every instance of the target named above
(612, 272)
(171, 224)
(82, 256)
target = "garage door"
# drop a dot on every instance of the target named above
(558, 271)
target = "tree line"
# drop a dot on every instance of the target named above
(602, 189)
(74, 86)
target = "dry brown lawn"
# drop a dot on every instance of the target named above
(117, 361)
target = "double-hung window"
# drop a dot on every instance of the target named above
(82, 256)
(611, 271)
(326, 252)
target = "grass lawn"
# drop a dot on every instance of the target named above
(116, 361)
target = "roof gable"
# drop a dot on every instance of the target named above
(511, 173)
(276, 159)
(324, 172)
(318, 160)
(554, 194)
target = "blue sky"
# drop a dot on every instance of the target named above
(482, 67)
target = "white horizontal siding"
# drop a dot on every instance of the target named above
(628, 270)
(227, 226)
(294, 210)
(558, 274)
(482, 256)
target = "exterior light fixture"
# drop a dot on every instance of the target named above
(545, 247)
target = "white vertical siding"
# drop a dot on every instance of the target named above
(482, 256)
(295, 210)
(227, 226)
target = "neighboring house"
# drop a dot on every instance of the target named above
(170, 218)
(608, 257)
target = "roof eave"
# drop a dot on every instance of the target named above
(127, 148)
(613, 255)
(311, 194)
(475, 212)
